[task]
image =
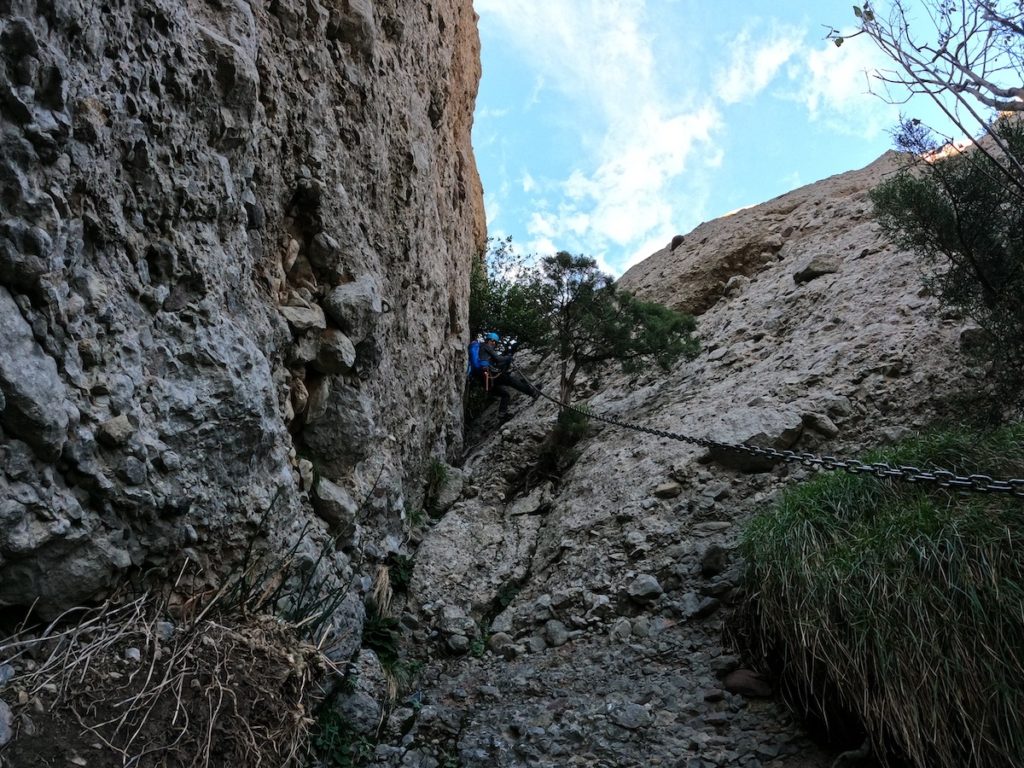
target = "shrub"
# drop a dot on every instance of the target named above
(903, 602)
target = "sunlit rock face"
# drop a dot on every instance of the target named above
(831, 216)
(234, 249)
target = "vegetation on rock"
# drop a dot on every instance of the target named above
(965, 213)
(901, 604)
(564, 306)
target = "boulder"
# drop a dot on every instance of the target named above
(304, 318)
(335, 506)
(355, 307)
(644, 589)
(336, 353)
(765, 427)
(34, 394)
(450, 490)
(815, 267)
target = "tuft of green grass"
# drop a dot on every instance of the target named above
(435, 476)
(401, 572)
(337, 744)
(900, 603)
(382, 635)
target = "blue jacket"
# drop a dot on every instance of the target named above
(482, 358)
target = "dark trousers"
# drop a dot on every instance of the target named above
(499, 388)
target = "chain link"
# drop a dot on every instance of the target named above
(943, 478)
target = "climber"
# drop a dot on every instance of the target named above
(491, 371)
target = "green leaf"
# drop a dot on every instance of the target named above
(858, 12)
(838, 41)
(869, 15)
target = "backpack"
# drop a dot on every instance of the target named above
(475, 365)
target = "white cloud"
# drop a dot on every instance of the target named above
(542, 225)
(636, 136)
(755, 63)
(492, 208)
(834, 86)
(528, 182)
(590, 47)
(486, 113)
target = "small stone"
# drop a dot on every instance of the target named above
(717, 491)
(642, 627)
(746, 682)
(401, 719)
(306, 473)
(621, 630)
(170, 461)
(724, 664)
(710, 527)
(336, 353)
(668, 490)
(821, 424)
(458, 644)
(631, 716)
(6, 674)
(816, 267)
(6, 722)
(706, 607)
(717, 718)
(304, 318)
(714, 560)
(133, 654)
(767, 750)
(536, 644)
(644, 589)
(132, 471)
(116, 431)
(556, 633)
(164, 630)
(489, 691)
(499, 641)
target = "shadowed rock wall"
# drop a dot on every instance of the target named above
(234, 250)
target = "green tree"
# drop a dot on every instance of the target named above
(563, 306)
(964, 213)
(505, 296)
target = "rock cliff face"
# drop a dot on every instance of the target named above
(601, 593)
(235, 238)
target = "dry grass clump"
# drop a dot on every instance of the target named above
(901, 604)
(118, 685)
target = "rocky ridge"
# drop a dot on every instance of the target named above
(592, 606)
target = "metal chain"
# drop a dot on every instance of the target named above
(940, 477)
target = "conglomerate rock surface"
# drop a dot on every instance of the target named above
(592, 606)
(235, 240)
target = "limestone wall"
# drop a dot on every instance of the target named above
(234, 248)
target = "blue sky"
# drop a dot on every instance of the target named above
(605, 127)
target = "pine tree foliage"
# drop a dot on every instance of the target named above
(563, 306)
